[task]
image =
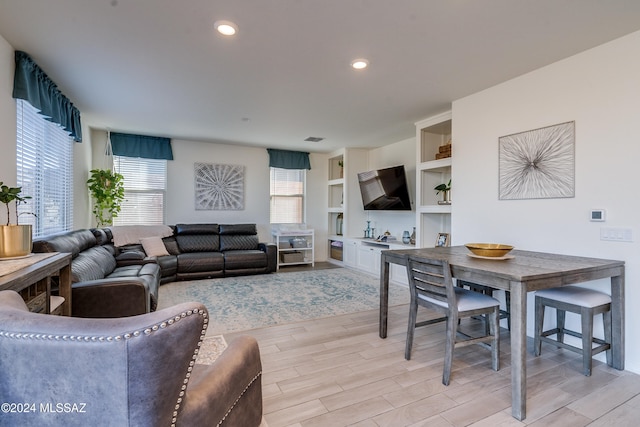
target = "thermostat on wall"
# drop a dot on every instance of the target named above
(598, 215)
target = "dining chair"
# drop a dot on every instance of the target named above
(488, 290)
(431, 286)
(585, 302)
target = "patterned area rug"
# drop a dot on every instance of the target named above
(211, 348)
(249, 302)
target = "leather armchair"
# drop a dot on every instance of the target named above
(131, 371)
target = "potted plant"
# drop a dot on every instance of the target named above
(445, 190)
(15, 239)
(107, 191)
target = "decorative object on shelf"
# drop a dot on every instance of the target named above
(107, 191)
(445, 189)
(368, 232)
(341, 164)
(219, 187)
(444, 151)
(442, 240)
(412, 238)
(339, 221)
(538, 164)
(15, 239)
(405, 237)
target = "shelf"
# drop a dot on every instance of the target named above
(298, 252)
(431, 217)
(441, 165)
(435, 209)
(339, 181)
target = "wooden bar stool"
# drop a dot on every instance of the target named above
(585, 302)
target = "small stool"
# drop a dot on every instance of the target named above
(585, 302)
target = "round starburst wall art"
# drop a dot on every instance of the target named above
(219, 187)
(538, 164)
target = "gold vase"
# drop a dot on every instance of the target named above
(15, 241)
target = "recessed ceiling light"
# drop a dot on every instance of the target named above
(226, 28)
(359, 64)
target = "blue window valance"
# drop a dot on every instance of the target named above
(147, 147)
(34, 86)
(284, 159)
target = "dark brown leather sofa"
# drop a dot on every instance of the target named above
(110, 281)
(200, 251)
(105, 282)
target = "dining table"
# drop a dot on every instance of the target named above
(519, 273)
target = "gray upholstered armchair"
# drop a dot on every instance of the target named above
(131, 371)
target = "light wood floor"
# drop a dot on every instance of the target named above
(337, 372)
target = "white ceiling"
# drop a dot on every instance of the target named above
(156, 67)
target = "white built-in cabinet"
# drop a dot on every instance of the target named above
(431, 217)
(346, 219)
(364, 255)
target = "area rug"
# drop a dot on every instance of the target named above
(210, 349)
(249, 302)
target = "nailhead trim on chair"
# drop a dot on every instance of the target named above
(129, 335)
(238, 399)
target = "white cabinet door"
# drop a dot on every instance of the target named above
(369, 259)
(349, 254)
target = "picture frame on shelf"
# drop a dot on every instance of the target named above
(442, 240)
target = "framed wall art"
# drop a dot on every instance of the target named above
(538, 164)
(219, 187)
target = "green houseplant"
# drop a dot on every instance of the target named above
(444, 189)
(15, 239)
(107, 191)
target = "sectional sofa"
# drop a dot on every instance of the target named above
(110, 280)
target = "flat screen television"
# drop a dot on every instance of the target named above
(385, 189)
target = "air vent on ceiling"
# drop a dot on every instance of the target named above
(314, 139)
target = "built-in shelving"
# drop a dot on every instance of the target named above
(344, 211)
(431, 217)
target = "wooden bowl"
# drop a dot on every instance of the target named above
(489, 249)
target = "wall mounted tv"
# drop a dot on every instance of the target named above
(385, 189)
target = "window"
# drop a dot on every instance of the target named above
(44, 166)
(145, 186)
(287, 195)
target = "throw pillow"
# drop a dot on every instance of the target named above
(154, 246)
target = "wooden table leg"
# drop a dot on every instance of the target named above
(518, 350)
(65, 289)
(617, 321)
(384, 296)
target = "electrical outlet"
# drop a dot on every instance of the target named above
(616, 234)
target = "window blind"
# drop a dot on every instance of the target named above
(44, 171)
(287, 196)
(145, 185)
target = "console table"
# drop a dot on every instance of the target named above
(31, 278)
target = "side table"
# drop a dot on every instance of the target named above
(31, 278)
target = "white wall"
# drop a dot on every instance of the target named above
(600, 90)
(180, 189)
